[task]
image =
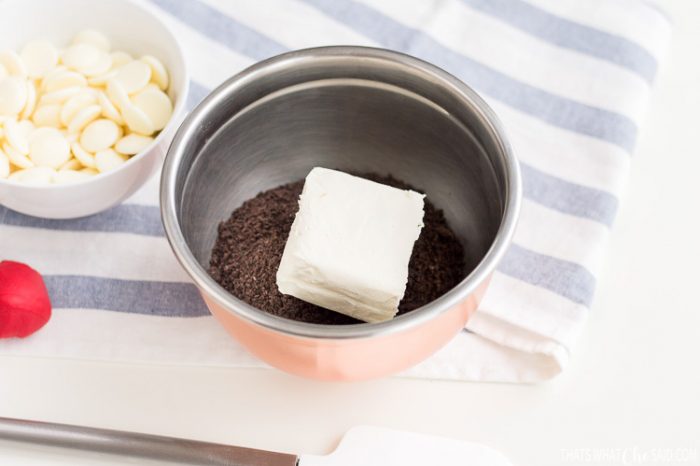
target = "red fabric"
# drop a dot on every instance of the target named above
(24, 302)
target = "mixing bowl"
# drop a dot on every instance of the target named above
(131, 28)
(354, 109)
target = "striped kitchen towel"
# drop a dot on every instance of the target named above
(570, 81)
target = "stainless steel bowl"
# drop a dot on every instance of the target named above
(354, 109)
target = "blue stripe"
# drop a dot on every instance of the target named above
(547, 190)
(553, 109)
(564, 278)
(167, 299)
(570, 34)
(548, 107)
(124, 218)
(569, 198)
(220, 28)
(567, 279)
(171, 299)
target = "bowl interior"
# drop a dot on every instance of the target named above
(351, 116)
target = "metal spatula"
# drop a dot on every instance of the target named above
(361, 446)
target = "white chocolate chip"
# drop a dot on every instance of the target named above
(76, 103)
(31, 101)
(81, 56)
(60, 96)
(83, 117)
(101, 79)
(137, 120)
(72, 164)
(99, 135)
(51, 75)
(62, 80)
(132, 144)
(18, 136)
(70, 137)
(90, 171)
(103, 65)
(93, 37)
(39, 57)
(17, 158)
(108, 159)
(133, 76)
(120, 58)
(117, 94)
(108, 109)
(152, 86)
(13, 95)
(83, 156)
(159, 74)
(155, 104)
(12, 63)
(26, 126)
(48, 148)
(47, 115)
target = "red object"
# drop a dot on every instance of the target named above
(24, 302)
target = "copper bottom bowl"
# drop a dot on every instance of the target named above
(354, 109)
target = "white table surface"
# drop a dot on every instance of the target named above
(633, 385)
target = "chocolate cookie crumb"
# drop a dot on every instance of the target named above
(250, 244)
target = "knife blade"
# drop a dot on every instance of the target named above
(155, 447)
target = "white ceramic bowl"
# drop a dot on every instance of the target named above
(130, 27)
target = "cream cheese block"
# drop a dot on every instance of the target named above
(350, 244)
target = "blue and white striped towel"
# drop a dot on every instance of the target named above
(569, 79)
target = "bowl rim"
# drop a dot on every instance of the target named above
(212, 290)
(178, 109)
